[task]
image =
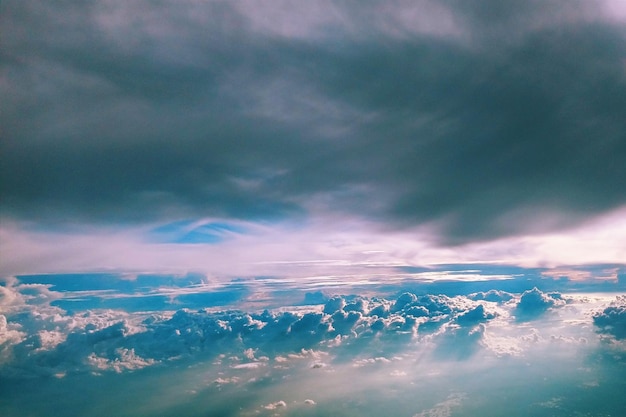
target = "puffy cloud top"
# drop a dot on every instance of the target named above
(492, 295)
(534, 302)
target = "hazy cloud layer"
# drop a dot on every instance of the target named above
(482, 119)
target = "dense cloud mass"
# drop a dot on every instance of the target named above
(482, 119)
(58, 324)
(46, 340)
(52, 342)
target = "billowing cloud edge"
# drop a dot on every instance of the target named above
(45, 340)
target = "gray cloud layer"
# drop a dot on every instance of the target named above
(500, 118)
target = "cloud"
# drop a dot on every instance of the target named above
(189, 232)
(444, 408)
(124, 360)
(334, 304)
(477, 130)
(242, 361)
(474, 316)
(612, 319)
(459, 343)
(492, 295)
(51, 341)
(533, 303)
(275, 405)
(9, 336)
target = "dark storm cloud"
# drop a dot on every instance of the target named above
(511, 122)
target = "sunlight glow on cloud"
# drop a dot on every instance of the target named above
(249, 248)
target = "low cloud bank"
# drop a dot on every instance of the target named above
(51, 341)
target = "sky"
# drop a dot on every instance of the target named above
(412, 132)
(266, 201)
